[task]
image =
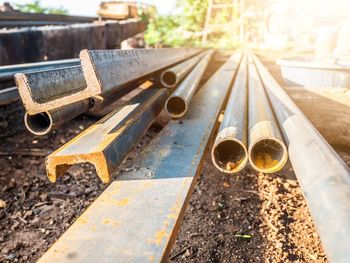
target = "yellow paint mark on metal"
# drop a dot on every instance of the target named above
(151, 258)
(93, 228)
(122, 202)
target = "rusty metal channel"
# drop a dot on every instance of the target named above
(323, 176)
(137, 218)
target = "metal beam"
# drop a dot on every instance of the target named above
(229, 152)
(106, 143)
(267, 151)
(9, 95)
(323, 176)
(45, 90)
(111, 69)
(138, 216)
(178, 103)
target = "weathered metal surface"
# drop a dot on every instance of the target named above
(267, 151)
(110, 69)
(229, 152)
(171, 77)
(45, 90)
(9, 95)
(322, 174)
(60, 42)
(107, 142)
(42, 123)
(178, 103)
(137, 218)
(8, 72)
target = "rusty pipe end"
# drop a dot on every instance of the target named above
(229, 155)
(268, 155)
(168, 79)
(176, 107)
(38, 124)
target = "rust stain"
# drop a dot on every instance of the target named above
(111, 222)
(151, 258)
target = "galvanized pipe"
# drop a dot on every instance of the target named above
(42, 123)
(229, 152)
(323, 176)
(172, 76)
(177, 104)
(267, 151)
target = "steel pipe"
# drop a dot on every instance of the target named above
(172, 76)
(42, 123)
(177, 104)
(9, 95)
(267, 151)
(323, 176)
(229, 152)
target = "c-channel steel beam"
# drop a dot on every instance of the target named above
(137, 218)
(104, 70)
(323, 176)
(106, 143)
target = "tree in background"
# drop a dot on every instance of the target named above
(36, 7)
(186, 28)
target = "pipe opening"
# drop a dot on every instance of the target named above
(176, 106)
(38, 124)
(169, 79)
(268, 155)
(230, 156)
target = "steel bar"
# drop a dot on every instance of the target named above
(322, 174)
(178, 103)
(42, 123)
(111, 69)
(106, 143)
(138, 216)
(8, 72)
(267, 151)
(229, 152)
(65, 85)
(171, 77)
(9, 95)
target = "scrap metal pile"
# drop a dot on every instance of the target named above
(261, 125)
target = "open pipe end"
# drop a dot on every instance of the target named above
(38, 124)
(229, 155)
(268, 155)
(168, 79)
(176, 107)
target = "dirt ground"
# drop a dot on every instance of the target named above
(248, 217)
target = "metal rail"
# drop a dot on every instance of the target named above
(229, 152)
(172, 76)
(267, 151)
(106, 143)
(178, 103)
(138, 216)
(9, 95)
(323, 176)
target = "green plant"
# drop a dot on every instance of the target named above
(36, 7)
